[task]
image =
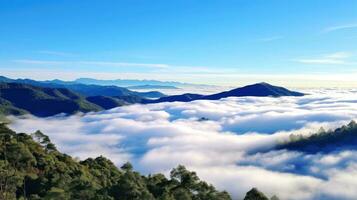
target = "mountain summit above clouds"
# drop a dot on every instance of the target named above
(256, 90)
(46, 98)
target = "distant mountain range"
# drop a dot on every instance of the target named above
(152, 87)
(257, 90)
(84, 89)
(18, 99)
(129, 83)
(46, 98)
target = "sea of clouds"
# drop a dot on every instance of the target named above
(229, 142)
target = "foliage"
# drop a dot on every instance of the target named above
(32, 168)
(18, 99)
(255, 194)
(324, 141)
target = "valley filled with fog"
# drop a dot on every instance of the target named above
(228, 142)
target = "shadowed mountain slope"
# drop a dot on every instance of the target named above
(257, 90)
(342, 138)
(83, 89)
(21, 98)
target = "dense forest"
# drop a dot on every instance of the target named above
(32, 168)
(341, 138)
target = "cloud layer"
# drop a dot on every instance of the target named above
(228, 142)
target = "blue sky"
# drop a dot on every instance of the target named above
(297, 42)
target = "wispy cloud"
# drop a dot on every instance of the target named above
(339, 55)
(340, 27)
(56, 53)
(270, 39)
(340, 58)
(97, 63)
(321, 61)
(158, 67)
(40, 62)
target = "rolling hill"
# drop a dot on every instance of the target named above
(152, 87)
(18, 98)
(257, 90)
(344, 137)
(83, 89)
(34, 97)
(128, 82)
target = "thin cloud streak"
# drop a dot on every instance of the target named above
(340, 27)
(159, 67)
(298, 80)
(98, 63)
(56, 53)
(322, 61)
(270, 39)
(340, 58)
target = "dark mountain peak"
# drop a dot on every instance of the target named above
(41, 101)
(264, 85)
(257, 90)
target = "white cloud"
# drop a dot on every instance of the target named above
(340, 27)
(95, 63)
(270, 39)
(338, 58)
(231, 150)
(339, 55)
(56, 53)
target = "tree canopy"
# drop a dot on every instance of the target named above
(31, 167)
(341, 138)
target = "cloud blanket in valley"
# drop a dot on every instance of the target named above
(227, 142)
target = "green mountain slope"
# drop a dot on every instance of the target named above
(32, 168)
(342, 138)
(107, 102)
(85, 89)
(20, 98)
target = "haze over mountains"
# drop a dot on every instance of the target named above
(151, 87)
(46, 98)
(18, 98)
(129, 82)
(258, 90)
(85, 89)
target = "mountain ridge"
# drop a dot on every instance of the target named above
(258, 90)
(17, 98)
(35, 98)
(86, 90)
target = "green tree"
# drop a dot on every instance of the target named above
(255, 194)
(32, 168)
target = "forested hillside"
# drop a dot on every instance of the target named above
(341, 138)
(21, 98)
(32, 168)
